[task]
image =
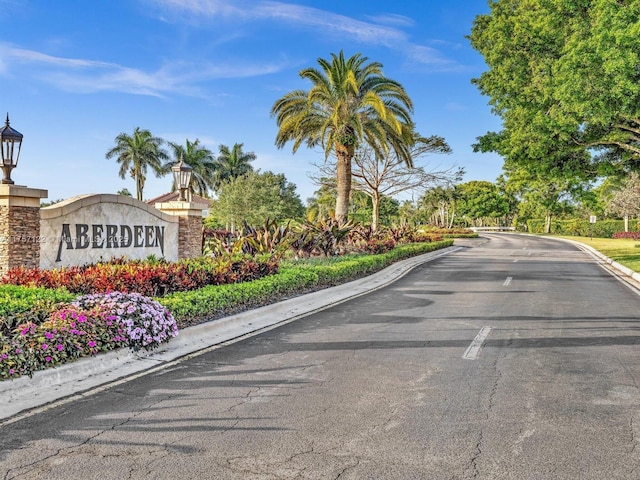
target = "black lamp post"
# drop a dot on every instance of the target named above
(182, 178)
(9, 140)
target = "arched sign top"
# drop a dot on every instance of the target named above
(78, 202)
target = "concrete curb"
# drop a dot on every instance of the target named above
(47, 386)
(615, 265)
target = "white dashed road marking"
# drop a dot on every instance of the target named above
(474, 349)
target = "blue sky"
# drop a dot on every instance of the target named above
(74, 74)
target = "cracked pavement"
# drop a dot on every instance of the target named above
(377, 387)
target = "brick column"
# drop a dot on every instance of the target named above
(189, 226)
(20, 226)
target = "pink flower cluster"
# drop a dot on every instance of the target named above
(91, 324)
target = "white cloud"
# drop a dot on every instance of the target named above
(380, 30)
(392, 19)
(88, 76)
(433, 59)
(20, 55)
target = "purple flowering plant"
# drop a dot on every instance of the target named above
(69, 333)
(143, 322)
(91, 324)
(14, 360)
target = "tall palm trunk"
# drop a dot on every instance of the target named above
(139, 186)
(343, 182)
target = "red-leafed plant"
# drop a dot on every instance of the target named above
(153, 278)
(627, 235)
(377, 246)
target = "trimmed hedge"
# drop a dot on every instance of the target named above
(581, 228)
(293, 278)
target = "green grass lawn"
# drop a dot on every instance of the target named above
(625, 252)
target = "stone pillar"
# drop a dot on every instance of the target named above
(20, 226)
(189, 227)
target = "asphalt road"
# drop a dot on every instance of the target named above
(515, 358)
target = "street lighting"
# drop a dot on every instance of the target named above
(9, 140)
(182, 178)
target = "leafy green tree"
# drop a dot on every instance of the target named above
(232, 163)
(389, 210)
(51, 202)
(563, 77)
(541, 194)
(351, 103)
(125, 192)
(256, 197)
(409, 214)
(481, 201)
(136, 154)
(201, 160)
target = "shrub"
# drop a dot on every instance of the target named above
(145, 323)
(20, 304)
(578, 227)
(152, 278)
(629, 235)
(217, 300)
(71, 332)
(293, 278)
(270, 238)
(324, 236)
(377, 246)
(89, 325)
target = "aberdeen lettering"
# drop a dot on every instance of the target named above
(110, 236)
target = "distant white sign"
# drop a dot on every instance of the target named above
(592, 219)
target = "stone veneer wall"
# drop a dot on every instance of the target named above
(190, 236)
(190, 225)
(19, 237)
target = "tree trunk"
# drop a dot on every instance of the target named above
(139, 178)
(375, 217)
(343, 182)
(547, 223)
(139, 187)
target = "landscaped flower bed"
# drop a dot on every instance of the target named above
(627, 235)
(44, 322)
(87, 326)
(153, 278)
(293, 278)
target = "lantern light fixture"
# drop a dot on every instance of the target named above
(10, 145)
(182, 178)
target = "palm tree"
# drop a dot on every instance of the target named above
(350, 103)
(136, 153)
(232, 163)
(201, 160)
